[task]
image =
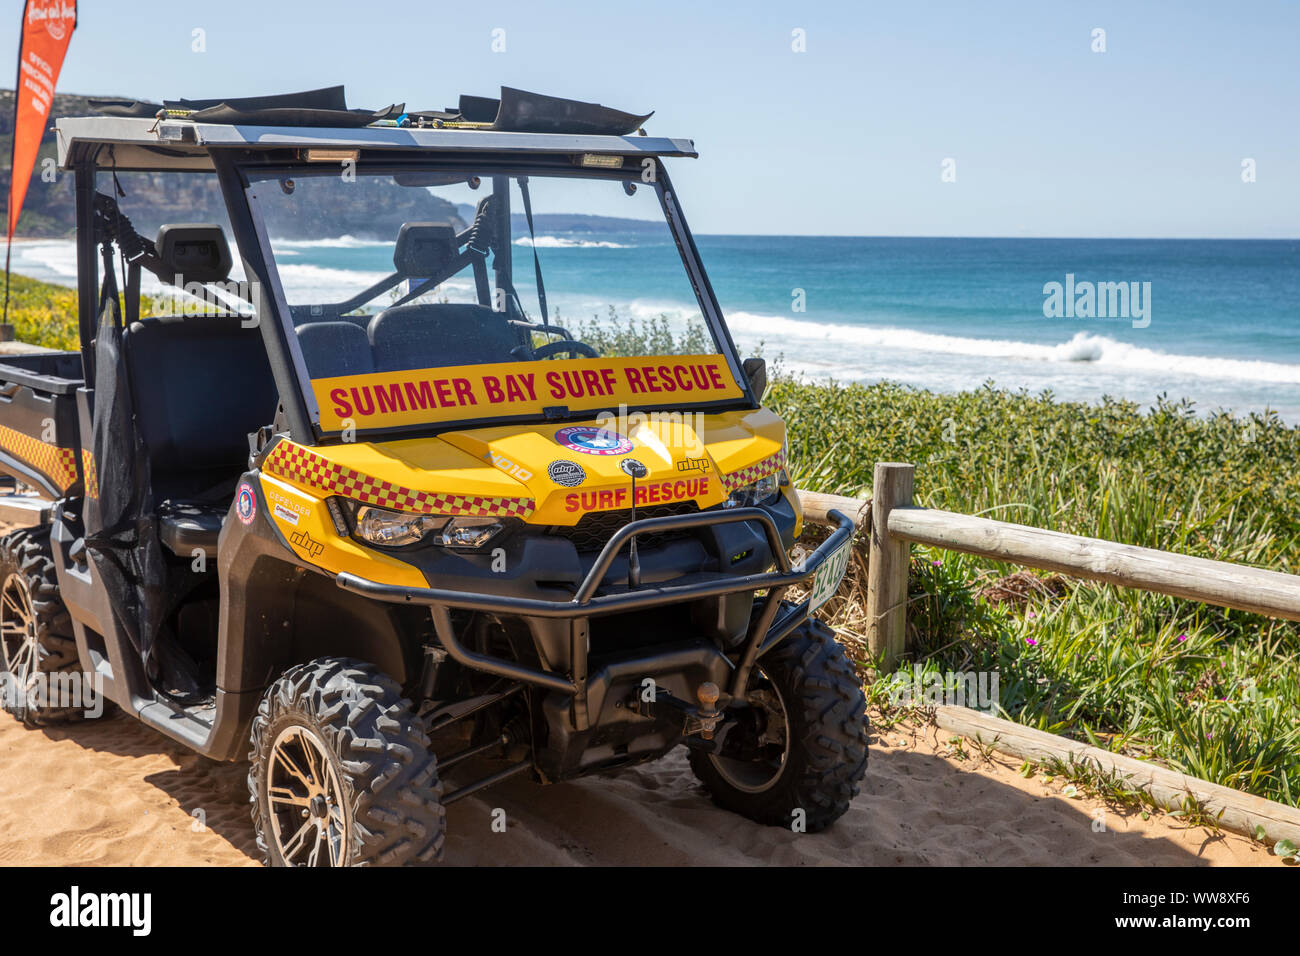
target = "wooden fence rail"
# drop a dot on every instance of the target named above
(895, 524)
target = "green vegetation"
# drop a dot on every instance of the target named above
(43, 314)
(1215, 693)
(652, 336)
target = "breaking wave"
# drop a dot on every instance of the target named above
(561, 242)
(1084, 348)
(340, 242)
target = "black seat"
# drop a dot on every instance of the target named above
(199, 385)
(442, 334)
(335, 348)
(189, 526)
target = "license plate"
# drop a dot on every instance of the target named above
(828, 577)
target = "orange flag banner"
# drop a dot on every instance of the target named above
(47, 28)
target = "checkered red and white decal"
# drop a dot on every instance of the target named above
(302, 465)
(751, 474)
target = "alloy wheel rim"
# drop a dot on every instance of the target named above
(17, 629)
(304, 797)
(758, 776)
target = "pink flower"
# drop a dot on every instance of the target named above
(1031, 615)
(937, 564)
(1181, 638)
(1031, 642)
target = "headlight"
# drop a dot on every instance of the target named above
(393, 529)
(469, 532)
(396, 529)
(760, 492)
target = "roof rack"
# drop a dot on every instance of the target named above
(177, 135)
(515, 111)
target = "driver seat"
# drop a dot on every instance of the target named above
(441, 334)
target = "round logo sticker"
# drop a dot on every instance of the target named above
(56, 15)
(566, 473)
(246, 503)
(633, 467)
(591, 440)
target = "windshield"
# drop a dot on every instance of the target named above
(432, 296)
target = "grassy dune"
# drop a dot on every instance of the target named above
(43, 314)
(1213, 692)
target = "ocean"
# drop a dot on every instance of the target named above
(1214, 321)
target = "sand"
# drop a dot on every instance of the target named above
(115, 792)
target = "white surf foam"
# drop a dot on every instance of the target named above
(1082, 348)
(561, 242)
(339, 242)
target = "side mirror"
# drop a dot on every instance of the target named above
(194, 252)
(756, 372)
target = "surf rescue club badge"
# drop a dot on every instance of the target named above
(590, 440)
(246, 503)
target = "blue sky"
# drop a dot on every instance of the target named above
(1048, 137)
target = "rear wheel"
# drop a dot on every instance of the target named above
(341, 773)
(36, 642)
(800, 751)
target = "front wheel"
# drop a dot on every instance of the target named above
(799, 752)
(341, 773)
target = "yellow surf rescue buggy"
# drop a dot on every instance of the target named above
(362, 505)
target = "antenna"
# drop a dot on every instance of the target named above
(636, 470)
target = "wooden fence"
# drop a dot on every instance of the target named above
(895, 523)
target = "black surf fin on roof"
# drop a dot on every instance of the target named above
(326, 98)
(323, 108)
(478, 109)
(230, 115)
(133, 108)
(524, 112)
(519, 111)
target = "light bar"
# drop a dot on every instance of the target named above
(602, 160)
(316, 155)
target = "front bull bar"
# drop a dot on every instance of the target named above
(767, 630)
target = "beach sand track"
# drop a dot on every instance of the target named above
(115, 792)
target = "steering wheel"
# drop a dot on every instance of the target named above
(570, 346)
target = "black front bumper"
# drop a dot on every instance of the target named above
(767, 628)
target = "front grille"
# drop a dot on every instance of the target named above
(595, 529)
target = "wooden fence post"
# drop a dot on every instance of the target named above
(887, 564)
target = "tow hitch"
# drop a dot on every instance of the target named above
(700, 720)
